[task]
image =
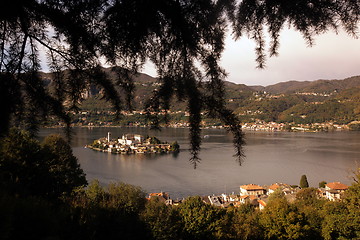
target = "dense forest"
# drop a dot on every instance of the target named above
(44, 195)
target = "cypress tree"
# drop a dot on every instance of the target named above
(304, 182)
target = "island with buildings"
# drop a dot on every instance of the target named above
(133, 143)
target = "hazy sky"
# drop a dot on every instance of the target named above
(332, 57)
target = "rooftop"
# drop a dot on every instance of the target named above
(252, 187)
(337, 186)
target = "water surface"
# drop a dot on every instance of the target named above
(270, 157)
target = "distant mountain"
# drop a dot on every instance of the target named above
(257, 88)
(318, 86)
(289, 87)
(238, 87)
(292, 101)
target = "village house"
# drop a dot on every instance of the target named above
(162, 196)
(272, 188)
(233, 198)
(252, 189)
(262, 204)
(285, 188)
(215, 200)
(244, 199)
(334, 190)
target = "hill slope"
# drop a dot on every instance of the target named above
(318, 86)
(292, 101)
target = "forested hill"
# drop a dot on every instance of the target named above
(288, 87)
(292, 101)
(318, 86)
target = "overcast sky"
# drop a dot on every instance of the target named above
(332, 57)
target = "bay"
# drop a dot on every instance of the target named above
(270, 157)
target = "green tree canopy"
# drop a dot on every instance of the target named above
(163, 221)
(111, 212)
(322, 184)
(184, 39)
(28, 168)
(282, 220)
(64, 170)
(200, 220)
(21, 170)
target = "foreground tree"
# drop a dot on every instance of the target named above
(30, 169)
(244, 223)
(183, 39)
(200, 220)
(282, 220)
(310, 205)
(164, 222)
(339, 222)
(64, 170)
(111, 212)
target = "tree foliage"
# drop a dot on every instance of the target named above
(201, 220)
(163, 221)
(322, 184)
(282, 220)
(111, 212)
(183, 39)
(304, 182)
(244, 222)
(120, 211)
(63, 167)
(339, 222)
(28, 168)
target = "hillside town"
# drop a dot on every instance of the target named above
(133, 143)
(258, 196)
(136, 119)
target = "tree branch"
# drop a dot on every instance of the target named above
(3, 47)
(61, 53)
(22, 54)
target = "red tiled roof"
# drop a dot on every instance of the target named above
(274, 186)
(252, 197)
(252, 187)
(160, 194)
(337, 186)
(156, 194)
(262, 203)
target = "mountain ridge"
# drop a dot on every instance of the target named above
(301, 102)
(319, 86)
(288, 87)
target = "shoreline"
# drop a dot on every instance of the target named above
(249, 127)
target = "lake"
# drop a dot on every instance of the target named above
(270, 157)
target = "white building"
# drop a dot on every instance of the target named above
(334, 190)
(252, 189)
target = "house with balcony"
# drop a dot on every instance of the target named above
(252, 190)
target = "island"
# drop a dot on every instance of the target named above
(133, 143)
